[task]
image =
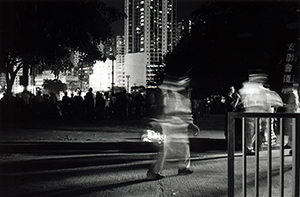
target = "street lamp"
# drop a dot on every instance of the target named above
(128, 76)
(112, 57)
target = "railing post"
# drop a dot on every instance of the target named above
(230, 147)
(281, 130)
(257, 133)
(269, 157)
(295, 148)
(244, 150)
(295, 152)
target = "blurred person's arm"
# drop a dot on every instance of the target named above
(194, 128)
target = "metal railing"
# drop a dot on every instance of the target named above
(231, 133)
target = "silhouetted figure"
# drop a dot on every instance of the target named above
(138, 104)
(54, 111)
(107, 106)
(17, 108)
(232, 101)
(66, 105)
(121, 105)
(39, 104)
(72, 103)
(3, 109)
(207, 106)
(90, 104)
(9, 109)
(100, 104)
(27, 106)
(128, 106)
(112, 106)
(78, 106)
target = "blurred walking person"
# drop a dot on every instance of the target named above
(255, 98)
(275, 101)
(291, 100)
(175, 123)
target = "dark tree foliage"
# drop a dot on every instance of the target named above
(229, 39)
(54, 85)
(46, 33)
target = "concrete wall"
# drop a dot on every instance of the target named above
(135, 66)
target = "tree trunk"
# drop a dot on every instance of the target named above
(9, 83)
(10, 75)
(25, 76)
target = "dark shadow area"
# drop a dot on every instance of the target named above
(14, 179)
(29, 166)
(17, 173)
(69, 149)
(74, 147)
(206, 144)
(85, 191)
(12, 182)
(196, 145)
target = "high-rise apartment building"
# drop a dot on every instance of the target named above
(111, 71)
(150, 32)
(120, 79)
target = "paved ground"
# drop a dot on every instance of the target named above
(211, 127)
(87, 174)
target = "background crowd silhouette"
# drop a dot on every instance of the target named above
(28, 108)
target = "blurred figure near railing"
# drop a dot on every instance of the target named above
(233, 103)
(275, 102)
(291, 101)
(257, 99)
(232, 100)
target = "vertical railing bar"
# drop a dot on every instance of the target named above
(295, 149)
(281, 132)
(231, 147)
(244, 158)
(293, 158)
(297, 154)
(269, 156)
(257, 157)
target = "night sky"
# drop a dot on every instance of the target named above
(184, 11)
(245, 40)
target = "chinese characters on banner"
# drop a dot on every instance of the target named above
(290, 62)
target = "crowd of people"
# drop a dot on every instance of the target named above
(91, 106)
(78, 106)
